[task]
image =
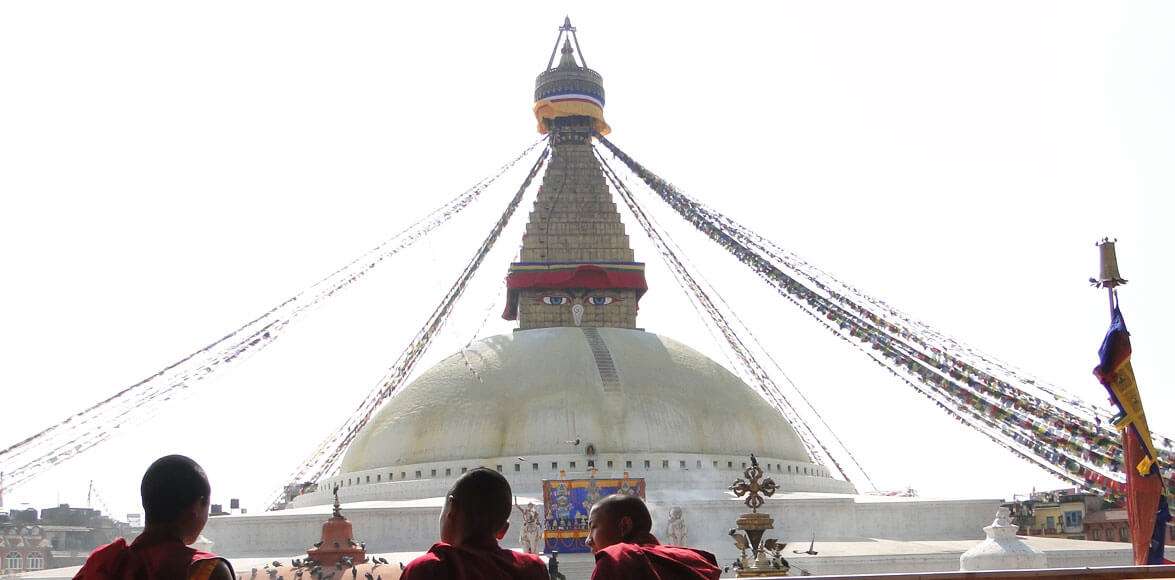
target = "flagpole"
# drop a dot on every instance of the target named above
(1146, 504)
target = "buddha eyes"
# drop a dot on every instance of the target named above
(555, 300)
(599, 300)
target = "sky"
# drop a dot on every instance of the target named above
(168, 171)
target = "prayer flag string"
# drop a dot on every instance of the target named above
(97, 423)
(329, 454)
(1037, 422)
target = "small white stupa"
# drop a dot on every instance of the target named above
(1002, 550)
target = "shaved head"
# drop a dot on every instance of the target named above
(176, 496)
(618, 518)
(621, 505)
(478, 506)
(170, 486)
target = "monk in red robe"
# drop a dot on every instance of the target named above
(620, 535)
(473, 520)
(176, 498)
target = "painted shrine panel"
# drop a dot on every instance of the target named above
(567, 502)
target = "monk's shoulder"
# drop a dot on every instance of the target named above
(617, 554)
(429, 564)
(620, 562)
(684, 552)
(529, 565)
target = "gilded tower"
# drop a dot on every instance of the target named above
(576, 267)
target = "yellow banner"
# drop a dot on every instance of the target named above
(552, 109)
(1126, 390)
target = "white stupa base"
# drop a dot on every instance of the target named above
(1002, 550)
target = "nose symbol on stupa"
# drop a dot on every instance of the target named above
(577, 313)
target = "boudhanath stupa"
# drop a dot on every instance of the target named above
(580, 393)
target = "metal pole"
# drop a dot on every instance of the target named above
(575, 37)
(551, 60)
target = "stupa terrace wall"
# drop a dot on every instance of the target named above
(663, 473)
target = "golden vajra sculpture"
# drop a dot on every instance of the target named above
(752, 487)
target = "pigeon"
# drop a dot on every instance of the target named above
(740, 539)
(575, 442)
(809, 551)
(277, 564)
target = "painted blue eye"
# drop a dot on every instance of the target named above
(600, 300)
(554, 300)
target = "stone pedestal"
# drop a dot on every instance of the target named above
(1002, 550)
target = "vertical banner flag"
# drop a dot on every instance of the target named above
(1146, 506)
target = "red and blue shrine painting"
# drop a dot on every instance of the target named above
(567, 502)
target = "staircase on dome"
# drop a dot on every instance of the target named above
(576, 267)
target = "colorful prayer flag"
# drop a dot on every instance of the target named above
(1146, 506)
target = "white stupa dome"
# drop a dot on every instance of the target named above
(535, 392)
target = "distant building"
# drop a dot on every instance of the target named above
(1057, 514)
(61, 536)
(23, 548)
(1109, 526)
(1112, 525)
(64, 515)
(1076, 515)
(25, 516)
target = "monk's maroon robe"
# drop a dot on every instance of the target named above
(648, 560)
(485, 561)
(148, 558)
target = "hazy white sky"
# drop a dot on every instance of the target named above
(170, 170)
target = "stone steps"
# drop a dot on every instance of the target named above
(603, 357)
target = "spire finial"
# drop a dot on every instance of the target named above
(570, 31)
(568, 58)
